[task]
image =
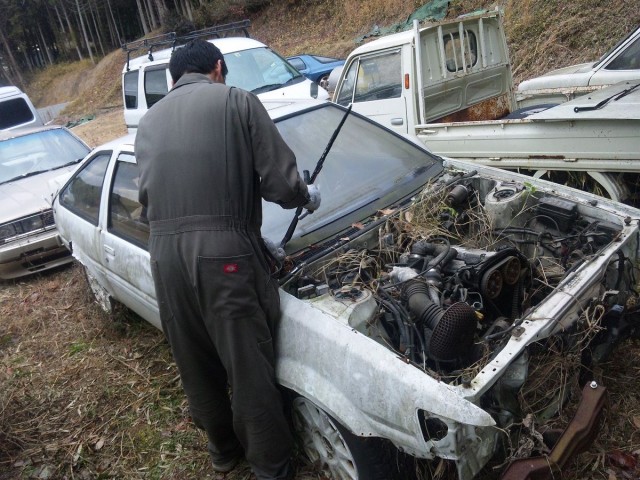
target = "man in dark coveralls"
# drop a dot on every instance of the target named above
(207, 154)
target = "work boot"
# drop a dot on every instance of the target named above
(227, 462)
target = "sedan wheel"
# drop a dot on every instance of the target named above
(338, 453)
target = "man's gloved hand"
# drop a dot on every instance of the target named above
(314, 198)
(275, 251)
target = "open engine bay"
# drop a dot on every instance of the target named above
(475, 279)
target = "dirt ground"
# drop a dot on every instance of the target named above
(84, 395)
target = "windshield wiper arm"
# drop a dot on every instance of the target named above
(602, 103)
(24, 175)
(266, 88)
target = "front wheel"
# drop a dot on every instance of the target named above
(338, 453)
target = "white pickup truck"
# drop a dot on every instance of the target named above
(621, 63)
(450, 84)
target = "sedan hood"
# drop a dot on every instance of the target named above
(32, 194)
(572, 76)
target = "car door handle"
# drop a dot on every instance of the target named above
(397, 122)
(109, 250)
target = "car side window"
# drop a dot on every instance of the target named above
(379, 77)
(627, 60)
(155, 85)
(345, 96)
(298, 63)
(83, 192)
(131, 89)
(127, 217)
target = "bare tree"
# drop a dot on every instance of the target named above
(84, 32)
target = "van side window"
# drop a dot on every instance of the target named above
(131, 89)
(83, 193)
(155, 85)
(14, 112)
(453, 51)
(127, 218)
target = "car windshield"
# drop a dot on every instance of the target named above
(38, 152)
(367, 169)
(259, 70)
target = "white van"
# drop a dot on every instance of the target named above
(16, 110)
(252, 66)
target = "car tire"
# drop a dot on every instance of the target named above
(338, 453)
(98, 292)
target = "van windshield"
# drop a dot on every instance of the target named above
(259, 70)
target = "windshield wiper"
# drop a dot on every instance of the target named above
(601, 104)
(72, 162)
(24, 175)
(266, 88)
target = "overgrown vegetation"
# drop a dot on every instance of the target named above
(85, 396)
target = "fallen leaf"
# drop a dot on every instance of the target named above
(99, 444)
(636, 422)
(620, 459)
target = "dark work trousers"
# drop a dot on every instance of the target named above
(219, 310)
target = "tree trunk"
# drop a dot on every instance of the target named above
(189, 10)
(19, 79)
(84, 32)
(72, 33)
(145, 28)
(45, 46)
(95, 27)
(115, 24)
(152, 14)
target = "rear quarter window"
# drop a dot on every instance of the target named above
(14, 112)
(131, 89)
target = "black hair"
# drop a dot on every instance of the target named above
(196, 56)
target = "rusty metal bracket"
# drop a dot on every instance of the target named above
(576, 438)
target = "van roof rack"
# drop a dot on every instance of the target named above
(173, 39)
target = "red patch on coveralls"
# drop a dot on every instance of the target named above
(230, 268)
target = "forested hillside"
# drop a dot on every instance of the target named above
(44, 44)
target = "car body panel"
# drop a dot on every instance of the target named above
(329, 349)
(313, 68)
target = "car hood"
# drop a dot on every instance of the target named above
(572, 76)
(298, 90)
(28, 195)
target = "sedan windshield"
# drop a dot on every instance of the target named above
(368, 169)
(38, 152)
(259, 70)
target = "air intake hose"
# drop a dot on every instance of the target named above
(452, 329)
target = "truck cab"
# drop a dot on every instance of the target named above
(427, 74)
(621, 63)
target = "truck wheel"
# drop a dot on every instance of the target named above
(99, 294)
(338, 453)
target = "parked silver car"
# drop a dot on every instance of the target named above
(415, 303)
(34, 163)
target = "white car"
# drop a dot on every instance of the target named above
(620, 64)
(34, 163)
(415, 301)
(252, 66)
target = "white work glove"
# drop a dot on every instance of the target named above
(314, 198)
(276, 251)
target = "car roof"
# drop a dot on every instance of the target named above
(226, 45)
(21, 132)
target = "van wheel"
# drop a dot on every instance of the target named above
(99, 294)
(338, 453)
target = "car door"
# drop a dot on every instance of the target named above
(124, 240)
(373, 84)
(82, 197)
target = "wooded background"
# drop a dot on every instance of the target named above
(38, 33)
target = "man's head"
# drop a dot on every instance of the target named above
(198, 56)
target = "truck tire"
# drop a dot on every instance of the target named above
(339, 454)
